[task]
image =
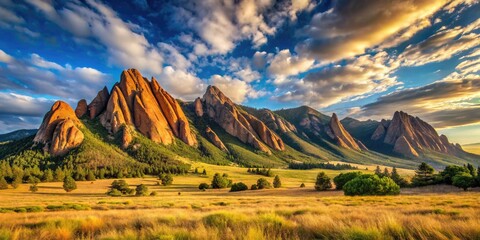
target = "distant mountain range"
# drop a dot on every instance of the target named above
(137, 117)
(18, 134)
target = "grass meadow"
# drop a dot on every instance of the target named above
(181, 211)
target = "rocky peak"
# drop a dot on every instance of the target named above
(337, 132)
(99, 103)
(212, 136)
(59, 131)
(275, 122)
(239, 123)
(81, 109)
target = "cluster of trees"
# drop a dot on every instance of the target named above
(222, 181)
(204, 173)
(331, 166)
(166, 179)
(464, 177)
(264, 171)
(121, 188)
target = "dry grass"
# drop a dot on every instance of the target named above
(286, 213)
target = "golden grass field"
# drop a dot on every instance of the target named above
(437, 212)
(473, 148)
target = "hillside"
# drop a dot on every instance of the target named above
(18, 134)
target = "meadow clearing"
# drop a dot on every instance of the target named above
(291, 212)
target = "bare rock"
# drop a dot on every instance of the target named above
(198, 107)
(99, 103)
(403, 147)
(337, 132)
(275, 122)
(212, 136)
(81, 109)
(65, 137)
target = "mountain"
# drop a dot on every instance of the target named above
(139, 128)
(18, 134)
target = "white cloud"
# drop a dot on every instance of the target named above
(181, 84)
(237, 90)
(4, 57)
(284, 64)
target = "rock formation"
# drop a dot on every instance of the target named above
(59, 130)
(240, 124)
(275, 122)
(81, 109)
(198, 107)
(337, 132)
(212, 136)
(135, 101)
(410, 135)
(99, 103)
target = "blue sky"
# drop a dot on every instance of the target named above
(364, 59)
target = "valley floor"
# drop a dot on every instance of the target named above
(437, 212)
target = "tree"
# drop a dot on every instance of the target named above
(16, 182)
(254, 187)
(166, 179)
(386, 173)
(219, 181)
(33, 188)
(90, 176)
(378, 172)
(368, 184)
(141, 190)
(204, 172)
(397, 178)
(59, 175)
(236, 187)
(451, 171)
(47, 176)
(471, 170)
(263, 183)
(203, 186)
(69, 184)
(424, 175)
(3, 183)
(277, 183)
(343, 178)
(196, 171)
(464, 181)
(323, 182)
(302, 185)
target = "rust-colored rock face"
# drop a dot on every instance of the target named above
(81, 109)
(336, 131)
(99, 103)
(59, 130)
(198, 107)
(276, 122)
(212, 136)
(405, 132)
(135, 101)
(65, 137)
(242, 125)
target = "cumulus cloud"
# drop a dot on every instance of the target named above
(351, 27)
(285, 64)
(442, 45)
(356, 79)
(237, 90)
(126, 47)
(445, 103)
(37, 75)
(181, 84)
(221, 24)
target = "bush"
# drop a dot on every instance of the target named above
(277, 183)
(451, 171)
(166, 179)
(343, 178)
(3, 183)
(114, 192)
(323, 182)
(302, 185)
(263, 183)
(219, 181)
(33, 188)
(236, 187)
(141, 190)
(369, 184)
(464, 181)
(254, 187)
(153, 194)
(69, 184)
(203, 186)
(122, 186)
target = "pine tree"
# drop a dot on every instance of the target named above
(3, 183)
(277, 183)
(323, 182)
(47, 176)
(204, 172)
(386, 173)
(424, 175)
(90, 176)
(196, 171)
(69, 184)
(16, 182)
(378, 172)
(59, 175)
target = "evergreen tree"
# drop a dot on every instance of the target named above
(302, 185)
(166, 179)
(386, 173)
(59, 175)
(3, 183)
(16, 182)
(196, 171)
(47, 176)
(323, 182)
(263, 183)
(378, 172)
(219, 181)
(472, 170)
(424, 175)
(277, 183)
(141, 190)
(204, 172)
(90, 176)
(69, 184)
(33, 188)
(397, 178)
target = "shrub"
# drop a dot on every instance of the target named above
(464, 181)
(141, 190)
(302, 185)
(121, 186)
(343, 178)
(114, 192)
(263, 183)
(203, 186)
(69, 184)
(166, 179)
(397, 178)
(368, 184)
(219, 181)
(277, 183)
(254, 187)
(323, 182)
(3, 183)
(33, 188)
(451, 171)
(153, 194)
(236, 187)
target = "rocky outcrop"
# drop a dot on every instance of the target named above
(212, 136)
(240, 124)
(403, 147)
(81, 109)
(143, 104)
(59, 131)
(275, 122)
(198, 107)
(406, 132)
(99, 103)
(337, 132)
